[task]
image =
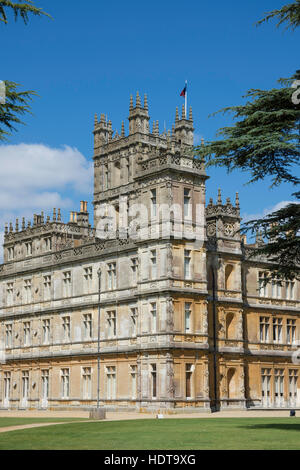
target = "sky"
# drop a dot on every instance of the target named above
(92, 55)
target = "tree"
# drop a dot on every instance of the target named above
(15, 103)
(265, 140)
(19, 9)
(289, 14)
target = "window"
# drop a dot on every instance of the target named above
(153, 317)
(187, 264)
(105, 177)
(153, 381)
(293, 377)
(9, 292)
(290, 331)
(290, 290)
(229, 278)
(46, 331)
(27, 291)
(47, 287)
(88, 277)
(67, 280)
(7, 385)
(266, 389)
(87, 326)
(111, 271)
(186, 202)
(134, 317)
(28, 248)
(277, 330)
(111, 382)
(111, 323)
(134, 268)
(262, 283)
(66, 329)
(153, 264)
(87, 382)
(25, 384)
(48, 243)
(26, 330)
(10, 253)
(279, 385)
(187, 317)
(8, 335)
(133, 375)
(276, 289)
(264, 325)
(65, 383)
(188, 380)
(45, 384)
(153, 203)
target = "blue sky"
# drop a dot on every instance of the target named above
(93, 54)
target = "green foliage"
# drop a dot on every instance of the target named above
(289, 13)
(16, 104)
(19, 9)
(281, 230)
(265, 138)
(265, 141)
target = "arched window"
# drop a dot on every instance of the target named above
(231, 385)
(229, 271)
(229, 326)
(117, 172)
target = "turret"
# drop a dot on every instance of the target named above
(138, 116)
(184, 130)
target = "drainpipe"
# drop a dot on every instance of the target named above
(214, 340)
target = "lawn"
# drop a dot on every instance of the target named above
(203, 433)
(6, 422)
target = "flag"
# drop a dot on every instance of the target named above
(183, 93)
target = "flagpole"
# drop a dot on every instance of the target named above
(186, 99)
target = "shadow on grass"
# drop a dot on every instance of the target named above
(279, 426)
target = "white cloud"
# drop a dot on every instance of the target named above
(246, 217)
(36, 177)
(36, 167)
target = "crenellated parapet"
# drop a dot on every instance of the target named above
(42, 235)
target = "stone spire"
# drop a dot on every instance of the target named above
(58, 215)
(176, 115)
(123, 129)
(96, 119)
(237, 200)
(17, 225)
(23, 223)
(6, 229)
(138, 100)
(191, 114)
(145, 103)
(131, 103)
(183, 116)
(219, 196)
(157, 128)
(54, 215)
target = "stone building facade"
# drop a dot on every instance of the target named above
(186, 321)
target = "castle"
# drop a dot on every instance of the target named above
(187, 321)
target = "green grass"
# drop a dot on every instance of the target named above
(6, 422)
(203, 433)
